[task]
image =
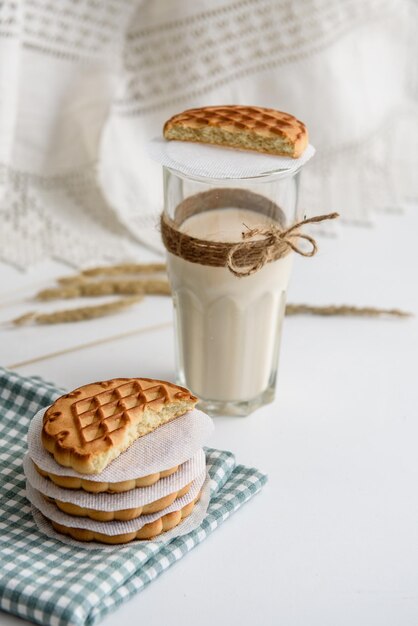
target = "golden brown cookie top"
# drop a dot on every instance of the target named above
(90, 426)
(245, 127)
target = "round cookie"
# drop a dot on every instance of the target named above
(72, 482)
(243, 127)
(122, 515)
(91, 426)
(149, 531)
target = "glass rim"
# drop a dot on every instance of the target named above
(265, 177)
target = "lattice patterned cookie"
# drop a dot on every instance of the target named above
(244, 127)
(89, 427)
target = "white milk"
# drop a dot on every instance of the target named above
(227, 328)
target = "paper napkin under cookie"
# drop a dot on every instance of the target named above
(49, 582)
(209, 161)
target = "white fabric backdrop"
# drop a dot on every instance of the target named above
(85, 83)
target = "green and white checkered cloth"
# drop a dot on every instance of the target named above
(49, 582)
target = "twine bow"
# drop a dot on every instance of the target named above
(274, 241)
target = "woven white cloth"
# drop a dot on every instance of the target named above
(85, 84)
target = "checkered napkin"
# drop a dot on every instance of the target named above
(49, 582)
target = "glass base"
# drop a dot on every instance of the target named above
(240, 408)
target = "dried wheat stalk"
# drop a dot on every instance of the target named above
(125, 268)
(343, 310)
(106, 288)
(82, 285)
(77, 315)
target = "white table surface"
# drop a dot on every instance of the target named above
(332, 540)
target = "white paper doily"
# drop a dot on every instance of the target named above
(208, 161)
(51, 511)
(140, 496)
(167, 446)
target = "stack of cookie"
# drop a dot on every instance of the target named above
(117, 460)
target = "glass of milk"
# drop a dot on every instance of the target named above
(228, 328)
